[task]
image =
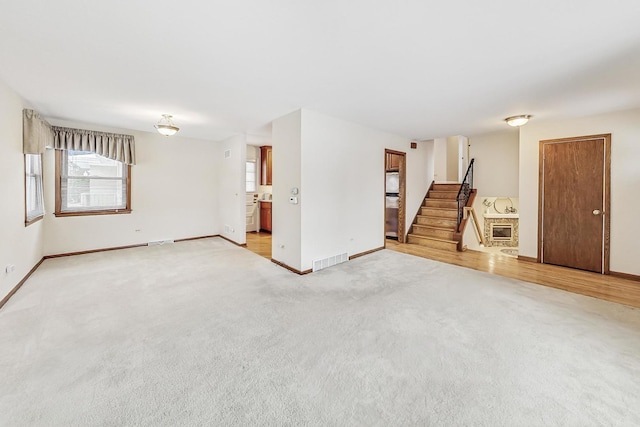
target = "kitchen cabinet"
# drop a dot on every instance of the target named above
(393, 162)
(265, 155)
(265, 216)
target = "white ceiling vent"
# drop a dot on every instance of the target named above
(330, 261)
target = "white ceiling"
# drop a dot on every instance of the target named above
(417, 68)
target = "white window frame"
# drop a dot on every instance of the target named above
(33, 189)
(251, 188)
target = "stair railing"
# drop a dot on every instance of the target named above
(464, 193)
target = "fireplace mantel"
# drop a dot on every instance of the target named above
(501, 225)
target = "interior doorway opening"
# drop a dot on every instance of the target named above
(395, 195)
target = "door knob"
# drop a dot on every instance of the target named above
(596, 211)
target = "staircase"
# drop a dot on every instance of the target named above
(436, 222)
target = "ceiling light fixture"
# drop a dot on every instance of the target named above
(165, 126)
(516, 121)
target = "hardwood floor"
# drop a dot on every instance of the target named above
(595, 285)
(259, 243)
(609, 288)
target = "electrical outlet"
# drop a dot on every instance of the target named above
(10, 268)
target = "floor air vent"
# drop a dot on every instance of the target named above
(159, 242)
(331, 261)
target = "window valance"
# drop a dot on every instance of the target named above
(36, 133)
(110, 145)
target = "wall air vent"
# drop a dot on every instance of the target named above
(227, 154)
(330, 261)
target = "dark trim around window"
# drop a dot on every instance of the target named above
(33, 221)
(58, 213)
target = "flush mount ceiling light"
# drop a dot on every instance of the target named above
(165, 126)
(516, 121)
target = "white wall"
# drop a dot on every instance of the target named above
(232, 188)
(19, 245)
(495, 170)
(463, 157)
(450, 158)
(440, 159)
(453, 155)
(173, 192)
(252, 153)
(342, 187)
(286, 164)
(624, 127)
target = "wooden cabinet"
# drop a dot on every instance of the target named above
(265, 216)
(266, 166)
(393, 162)
(266, 179)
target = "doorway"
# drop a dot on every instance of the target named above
(395, 195)
(451, 156)
(260, 243)
(574, 201)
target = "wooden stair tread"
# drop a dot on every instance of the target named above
(439, 208)
(433, 227)
(443, 195)
(440, 203)
(434, 238)
(436, 221)
(447, 213)
(431, 216)
(447, 184)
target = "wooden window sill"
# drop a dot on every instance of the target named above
(33, 221)
(87, 213)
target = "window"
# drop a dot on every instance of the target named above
(34, 196)
(251, 176)
(89, 184)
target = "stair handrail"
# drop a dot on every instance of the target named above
(464, 192)
(476, 224)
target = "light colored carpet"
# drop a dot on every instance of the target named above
(206, 333)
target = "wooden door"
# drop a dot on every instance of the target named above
(574, 198)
